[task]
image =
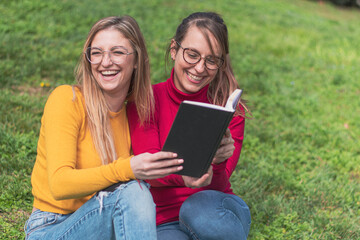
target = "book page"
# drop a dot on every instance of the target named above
(208, 105)
(233, 100)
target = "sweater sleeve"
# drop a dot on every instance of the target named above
(62, 120)
(237, 126)
(145, 138)
(222, 172)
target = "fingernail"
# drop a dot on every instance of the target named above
(179, 168)
(180, 160)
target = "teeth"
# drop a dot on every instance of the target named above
(194, 77)
(109, 72)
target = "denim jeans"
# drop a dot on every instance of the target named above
(209, 215)
(128, 212)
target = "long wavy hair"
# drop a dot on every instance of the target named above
(224, 82)
(140, 91)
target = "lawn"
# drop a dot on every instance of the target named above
(297, 61)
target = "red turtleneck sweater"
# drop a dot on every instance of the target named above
(170, 192)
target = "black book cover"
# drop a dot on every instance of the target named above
(195, 136)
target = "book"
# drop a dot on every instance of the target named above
(196, 133)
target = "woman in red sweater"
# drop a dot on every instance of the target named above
(205, 207)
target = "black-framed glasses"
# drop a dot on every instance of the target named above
(117, 54)
(193, 57)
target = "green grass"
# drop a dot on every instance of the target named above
(296, 60)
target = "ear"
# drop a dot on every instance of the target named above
(173, 49)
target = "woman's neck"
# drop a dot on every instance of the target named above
(178, 96)
(115, 101)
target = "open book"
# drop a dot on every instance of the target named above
(196, 133)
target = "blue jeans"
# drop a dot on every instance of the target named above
(209, 215)
(128, 212)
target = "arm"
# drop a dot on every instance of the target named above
(223, 170)
(237, 126)
(146, 138)
(62, 122)
(75, 170)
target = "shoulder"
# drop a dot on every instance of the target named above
(159, 89)
(159, 86)
(65, 98)
(237, 124)
(65, 93)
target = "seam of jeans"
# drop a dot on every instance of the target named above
(229, 211)
(118, 207)
(41, 226)
(77, 223)
(193, 235)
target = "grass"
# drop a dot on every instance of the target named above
(296, 60)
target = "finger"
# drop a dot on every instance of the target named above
(159, 173)
(166, 163)
(225, 154)
(204, 177)
(224, 140)
(163, 155)
(203, 181)
(222, 150)
(226, 149)
(192, 182)
(228, 145)
(227, 140)
(227, 132)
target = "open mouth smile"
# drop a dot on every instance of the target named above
(109, 73)
(194, 79)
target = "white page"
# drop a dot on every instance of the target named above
(233, 100)
(208, 105)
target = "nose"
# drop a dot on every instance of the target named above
(106, 60)
(200, 66)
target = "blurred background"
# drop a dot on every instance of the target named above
(297, 61)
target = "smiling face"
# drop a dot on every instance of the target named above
(113, 78)
(190, 78)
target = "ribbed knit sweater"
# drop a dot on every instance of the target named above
(68, 169)
(170, 192)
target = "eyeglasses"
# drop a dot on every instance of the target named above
(193, 57)
(117, 55)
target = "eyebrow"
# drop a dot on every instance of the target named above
(111, 47)
(192, 49)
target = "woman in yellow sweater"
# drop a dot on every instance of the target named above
(83, 177)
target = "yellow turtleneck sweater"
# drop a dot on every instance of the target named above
(68, 170)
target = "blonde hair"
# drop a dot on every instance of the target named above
(224, 82)
(140, 90)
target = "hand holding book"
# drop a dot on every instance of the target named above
(203, 181)
(197, 132)
(226, 148)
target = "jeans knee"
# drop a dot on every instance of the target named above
(136, 198)
(215, 215)
(194, 212)
(196, 204)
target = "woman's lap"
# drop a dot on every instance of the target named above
(210, 215)
(128, 212)
(171, 231)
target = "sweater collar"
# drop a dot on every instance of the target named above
(178, 96)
